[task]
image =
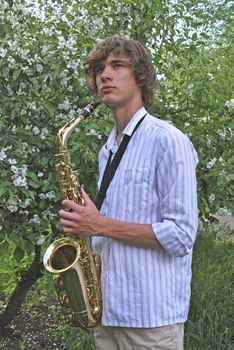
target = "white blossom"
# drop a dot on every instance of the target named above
(41, 240)
(51, 195)
(209, 141)
(25, 69)
(11, 61)
(70, 88)
(23, 112)
(110, 20)
(14, 129)
(12, 161)
(59, 118)
(19, 175)
(26, 203)
(10, 91)
(210, 76)
(48, 31)
(230, 105)
(32, 105)
(35, 220)
(24, 212)
(14, 169)
(36, 130)
(91, 132)
(39, 68)
(223, 211)
(94, 133)
(72, 113)
(65, 105)
(64, 82)
(48, 215)
(44, 133)
(211, 197)
(3, 154)
(12, 204)
(211, 163)
(20, 181)
(3, 52)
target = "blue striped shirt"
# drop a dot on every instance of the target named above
(155, 184)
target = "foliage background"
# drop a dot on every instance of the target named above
(42, 47)
(43, 44)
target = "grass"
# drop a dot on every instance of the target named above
(210, 324)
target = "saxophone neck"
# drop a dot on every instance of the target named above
(67, 129)
(64, 133)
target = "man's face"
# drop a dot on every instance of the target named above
(116, 83)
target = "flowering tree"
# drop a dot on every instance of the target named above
(42, 47)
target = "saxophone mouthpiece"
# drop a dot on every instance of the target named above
(89, 109)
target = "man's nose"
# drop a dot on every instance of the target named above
(106, 73)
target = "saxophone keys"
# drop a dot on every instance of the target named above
(58, 283)
(65, 301)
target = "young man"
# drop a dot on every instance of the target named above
(147, 225)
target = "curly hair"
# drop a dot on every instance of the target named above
(140, 61)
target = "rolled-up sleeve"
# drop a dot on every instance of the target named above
(176, 186)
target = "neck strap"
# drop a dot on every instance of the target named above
(111, 167)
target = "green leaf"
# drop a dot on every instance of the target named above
(16, 73)
(5, 270)
(4, 247)
(58, 69)
(3, 189)
(33, 180)
(18, 254)
(10, 2)
(49, 107)
(7, 28)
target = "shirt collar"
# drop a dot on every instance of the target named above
(111, 144)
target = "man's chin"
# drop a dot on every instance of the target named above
(109, 102)
(112, 101)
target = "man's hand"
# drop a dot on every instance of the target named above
(82, 220)
(86, 220)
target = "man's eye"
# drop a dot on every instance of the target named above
(117, 65)
(99, 69)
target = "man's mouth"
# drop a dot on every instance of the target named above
(107, 88)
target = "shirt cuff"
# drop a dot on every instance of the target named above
(173, 239)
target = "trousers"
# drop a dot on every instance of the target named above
(122, 338)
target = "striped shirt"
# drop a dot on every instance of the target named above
(155, 184)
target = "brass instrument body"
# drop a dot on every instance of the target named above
(72, 261)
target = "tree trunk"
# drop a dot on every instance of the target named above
(28, 279)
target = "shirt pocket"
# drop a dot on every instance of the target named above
(135, 189)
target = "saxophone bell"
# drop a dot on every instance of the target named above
(61, 255)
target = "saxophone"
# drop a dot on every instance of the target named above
(75, 267)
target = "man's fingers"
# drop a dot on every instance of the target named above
(86, 196)
(67, 203)
(67, 215)
(67, 223)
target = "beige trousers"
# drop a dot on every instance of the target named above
(121, 338)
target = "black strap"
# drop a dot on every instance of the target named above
(111, 167)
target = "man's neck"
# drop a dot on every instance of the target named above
(122, 116)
